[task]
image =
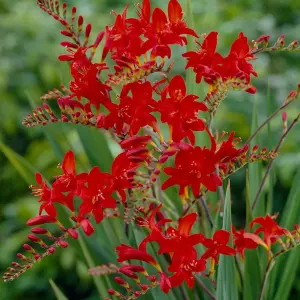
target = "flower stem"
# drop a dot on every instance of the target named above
(205, 288)
(206, 209)
(267, 273)
(271, 162)
(268, 120)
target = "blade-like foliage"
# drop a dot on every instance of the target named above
(227, 281)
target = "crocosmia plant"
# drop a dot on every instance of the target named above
(164, 193)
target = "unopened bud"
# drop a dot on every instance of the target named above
(39, 220)
(73, 233)
(38, 230)
(33, 238)
(63, 244)
(152, 278)
(51, 250)
(28, 248)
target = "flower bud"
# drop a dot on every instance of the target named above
(51, 250)
(39, 220)
(28, 248)
(63, 244)
(38, 230)
(33, 238)
(73, 233)
(87, 227)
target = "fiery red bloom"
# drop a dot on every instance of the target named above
(205, 59)
(156, 234)
(48, 196)
(193, 167)
(162, 32)
(269, 227)
(96, 195)
(237, 60)
(134, 111)
(67, 181)
(211, 65)
(185, 268)
(180, 242)
(122, 169)
(217, 245)
(122, 41)
(180, 110)
(243, 240)
(86, 81)
(126, 252)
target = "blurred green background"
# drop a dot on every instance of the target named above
(29, 67)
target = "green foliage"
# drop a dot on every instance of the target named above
(227, 280)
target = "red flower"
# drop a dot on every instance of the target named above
(156, 234)
(193, 167)
(238, 58)
(204, 61)
(271, 230)
(134, 111)
(179, 241)
(122, 170)
(180, 110)
(243, 240)
(48, 196)
(217, 245)
(97, 195)
(90, 87)
(162, 32)
(67, 181)
(211, 65)
(185, 268)
(176, 19)
(126, 252)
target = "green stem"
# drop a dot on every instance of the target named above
(272, 161)
(268, 120)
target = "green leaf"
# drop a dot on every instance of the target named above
(96, 147)
(252, 269)
(99, 281)
(255, 170)
(227, 281)
(285, 269)
(24, 168)
(58, 293)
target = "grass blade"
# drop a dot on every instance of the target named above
(227, 281)
(24, 168)
(58, 293)
(252, 268)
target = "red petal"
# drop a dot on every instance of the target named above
(175, 13)
(221, 236)
(159, 19)
(210, 42)
(68, 164)
(165, 283)
(177, 83)
(226, 250)
(186, 223)
(39, 178)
